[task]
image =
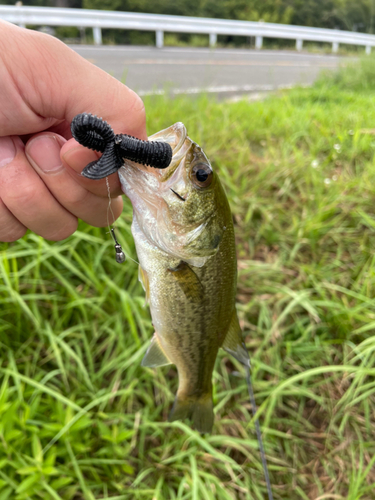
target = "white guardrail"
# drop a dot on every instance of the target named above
(98, 19)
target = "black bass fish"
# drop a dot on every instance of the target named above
(183, 231)
(184, 236)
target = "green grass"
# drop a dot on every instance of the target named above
(79, 417)
(356, 76)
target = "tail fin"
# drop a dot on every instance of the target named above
(199, 410)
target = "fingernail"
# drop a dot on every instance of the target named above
(7, 151)
(44, 152)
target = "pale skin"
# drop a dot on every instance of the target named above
(44, 84)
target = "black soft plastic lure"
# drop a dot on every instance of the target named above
(95, 133)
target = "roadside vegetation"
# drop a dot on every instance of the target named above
(81, 419)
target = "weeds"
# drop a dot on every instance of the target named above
(356, 76)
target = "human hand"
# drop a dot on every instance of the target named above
(44, 84)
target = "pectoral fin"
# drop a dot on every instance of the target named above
(188, 281)
(155, 355)
(143, 278)
(233, 342)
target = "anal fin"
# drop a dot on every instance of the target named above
(155, 355)
(233, 342)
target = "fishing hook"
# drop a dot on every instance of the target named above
(95, 133)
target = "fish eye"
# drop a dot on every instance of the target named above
(202, 175)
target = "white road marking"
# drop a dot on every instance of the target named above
(176, 50)
(215, 89)
(205, 62)
(250, 52)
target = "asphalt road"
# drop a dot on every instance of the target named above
(150, 70)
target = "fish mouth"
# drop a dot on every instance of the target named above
(178, 195)
(147, 187)
(177, 138)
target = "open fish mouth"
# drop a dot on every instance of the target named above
(154, 181)
(176, 137)
(144, 184)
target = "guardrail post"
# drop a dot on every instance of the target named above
(335, 47)
(97, 32)
(299, 44)
(20, 24)
(258, 42)
(160, 39)
(213, 39)
(368, 49)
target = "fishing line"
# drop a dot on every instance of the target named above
(109, 208)
(254, 409)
